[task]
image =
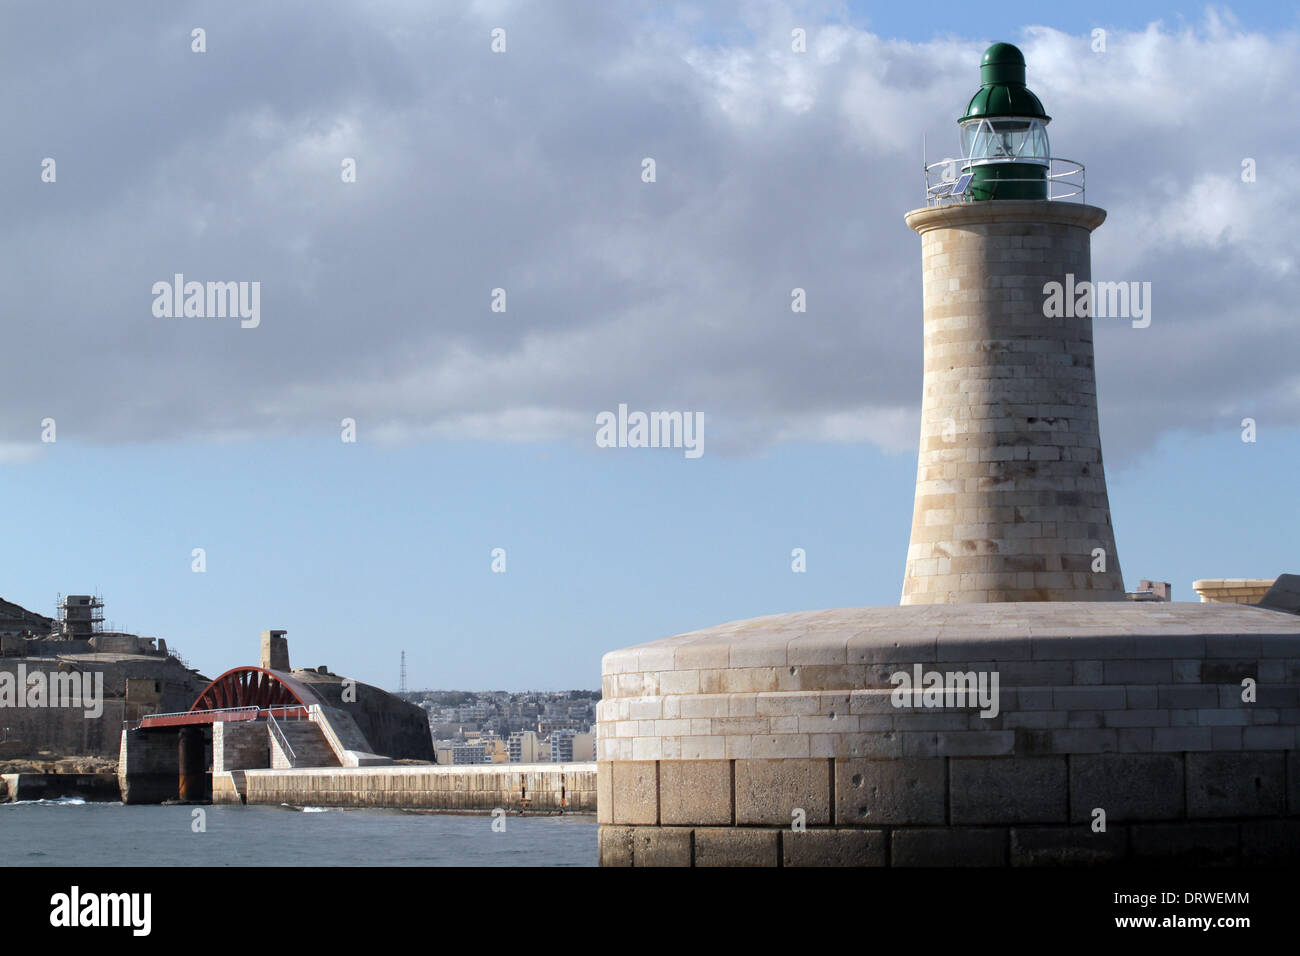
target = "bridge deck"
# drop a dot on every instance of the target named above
(192, 717)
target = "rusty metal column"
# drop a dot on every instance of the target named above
(193, 767)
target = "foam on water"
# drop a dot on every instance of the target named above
(56, 802)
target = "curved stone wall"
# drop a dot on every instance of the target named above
(1011, 497)
(391, 726)
(780, 740)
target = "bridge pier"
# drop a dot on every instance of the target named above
(194, 784)
(148, 766)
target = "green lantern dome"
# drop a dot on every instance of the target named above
(1004, 131)
(1002, 89)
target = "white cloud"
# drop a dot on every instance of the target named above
(522, 171)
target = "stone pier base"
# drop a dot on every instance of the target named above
(1266, 842)
(1108, 734)
(148, 766)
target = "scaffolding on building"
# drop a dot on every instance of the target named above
(80, 616)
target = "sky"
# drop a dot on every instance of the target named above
(523, 171)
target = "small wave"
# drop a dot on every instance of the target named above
(55, 802)
(308, 809)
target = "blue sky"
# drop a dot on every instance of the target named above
(362, 552)
(475, 430)
(1007, 19)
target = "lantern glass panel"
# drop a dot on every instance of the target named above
(1005, 140)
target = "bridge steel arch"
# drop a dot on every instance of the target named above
(253, 687)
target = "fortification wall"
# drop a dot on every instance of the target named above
(132, 688)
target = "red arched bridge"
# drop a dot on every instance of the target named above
(242, 693)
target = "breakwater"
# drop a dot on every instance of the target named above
(568, 787)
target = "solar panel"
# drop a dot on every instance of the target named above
(959, 187)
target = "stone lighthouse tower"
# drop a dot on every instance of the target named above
(1010, 493)
(811, 738)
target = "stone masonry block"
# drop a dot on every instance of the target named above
(905, 791)
(604, 792)
(1242, 784)
(835, 848)
(1269, 738)
(1067, 846)
(1181, 738)
(614, 847)
(1100, 740)
(695, 792)
(635, 792)
(949, 846)
(644, 846)
(980, 742)
(1007, 790)
(1127, 786)
(1088, 698)
(768, 791)
(733, 846)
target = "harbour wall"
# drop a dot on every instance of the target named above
(570, 787)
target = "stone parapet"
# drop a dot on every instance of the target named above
(1232, 590)
(1072, 678)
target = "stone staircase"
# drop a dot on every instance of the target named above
(310, 748)
(351, 749)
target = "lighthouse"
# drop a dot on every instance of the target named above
(1011, 500)
(994, 731)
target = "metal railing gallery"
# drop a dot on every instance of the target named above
(246, 712)
(1064, 179)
